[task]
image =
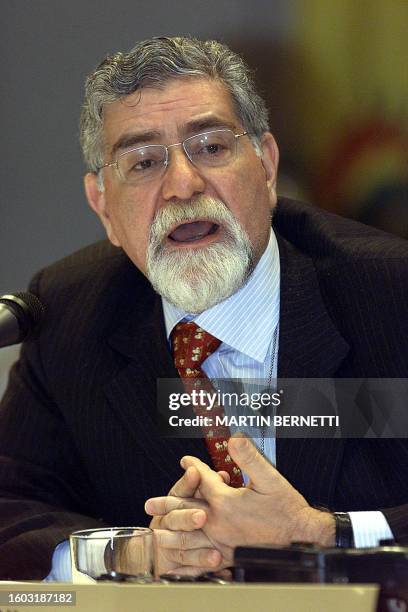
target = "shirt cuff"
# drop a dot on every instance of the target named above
(369, 528)
(61, 564)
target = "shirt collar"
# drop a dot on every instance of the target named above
(246, 320)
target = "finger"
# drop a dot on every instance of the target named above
(225, 476)
(262, 474)
(155, 522)
(181, 540)
(189, 571)
(210, 481)
(200, 558)
(187, 485)
(181, 520)
(175, 550)
(167, 503)
(183, 548)
(188, 461)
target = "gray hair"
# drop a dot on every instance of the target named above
(151, 63)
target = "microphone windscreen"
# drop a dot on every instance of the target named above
(27, 309)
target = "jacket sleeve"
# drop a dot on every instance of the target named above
(397, 518)
(44, 491)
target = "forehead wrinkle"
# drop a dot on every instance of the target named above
(195, 125)
(173, 101)
(142, 114)
(136, 98)
(169, 106)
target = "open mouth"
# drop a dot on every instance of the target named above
(193, 231)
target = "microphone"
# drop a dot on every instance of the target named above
(20, 314)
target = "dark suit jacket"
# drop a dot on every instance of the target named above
(78, 440)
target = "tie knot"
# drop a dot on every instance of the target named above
(191, 347)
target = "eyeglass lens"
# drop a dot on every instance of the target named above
(211, 149)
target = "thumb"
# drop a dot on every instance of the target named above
(262, 474)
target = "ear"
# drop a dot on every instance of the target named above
(97, 201)
(270, 162)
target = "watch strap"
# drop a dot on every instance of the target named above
(344, 530)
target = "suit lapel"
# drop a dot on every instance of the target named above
(140, 336)
(310, 346)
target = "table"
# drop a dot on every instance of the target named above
(198, 597)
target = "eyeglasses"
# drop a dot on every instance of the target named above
(208, 150)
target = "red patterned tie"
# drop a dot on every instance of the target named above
(191, 347)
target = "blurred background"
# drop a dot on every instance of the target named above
(334, 75)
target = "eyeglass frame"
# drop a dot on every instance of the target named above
(115, 163)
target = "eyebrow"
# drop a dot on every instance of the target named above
(195, 126)
(198, 125)
(130, 140)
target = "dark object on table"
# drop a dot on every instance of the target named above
(113, 576)
(385, 565)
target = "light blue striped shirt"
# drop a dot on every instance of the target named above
(245, 323)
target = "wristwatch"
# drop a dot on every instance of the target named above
(344, 530)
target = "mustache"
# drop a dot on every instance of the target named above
(183, 211)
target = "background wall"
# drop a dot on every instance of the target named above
(328, 70)
(47, 48)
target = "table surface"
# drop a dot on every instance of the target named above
(197, 597)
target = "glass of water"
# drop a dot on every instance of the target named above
(125, 550)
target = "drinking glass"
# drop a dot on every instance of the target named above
(125, 550)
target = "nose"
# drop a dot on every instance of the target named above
(182, 180)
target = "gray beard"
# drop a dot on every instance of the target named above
(197, 279)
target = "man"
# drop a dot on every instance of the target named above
(182, 173)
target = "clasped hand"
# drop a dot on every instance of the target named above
(202, 519)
